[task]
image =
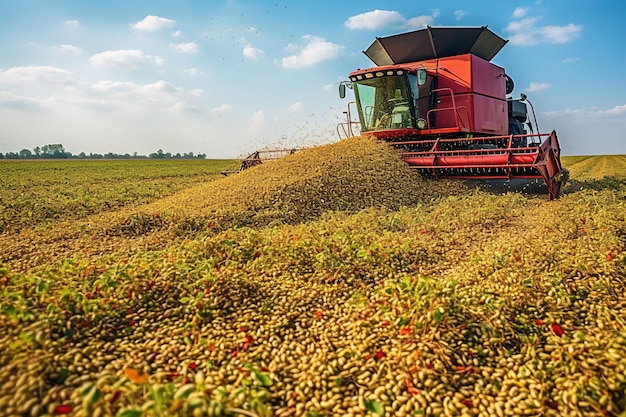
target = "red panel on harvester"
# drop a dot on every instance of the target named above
(490, 115)
(487, 78)
(474, 113)
(479, 95)
(455, 73)
(469, 73)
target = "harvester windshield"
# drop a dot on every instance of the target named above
(383, 102)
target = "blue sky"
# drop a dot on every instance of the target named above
(225, 77)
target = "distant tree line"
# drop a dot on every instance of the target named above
(57, 151)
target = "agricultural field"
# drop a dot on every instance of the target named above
(47, 191)
(332, 282)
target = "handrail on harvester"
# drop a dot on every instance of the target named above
(454, 108)
(347, 128)
(479, 160)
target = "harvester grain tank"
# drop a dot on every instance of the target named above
(435, 96)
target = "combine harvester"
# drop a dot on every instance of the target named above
(437, 99)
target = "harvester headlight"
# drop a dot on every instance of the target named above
(421, 123)
(369, 75)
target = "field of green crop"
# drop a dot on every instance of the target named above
(34, 192)
(332, 282)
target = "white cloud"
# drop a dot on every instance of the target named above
(12, 101)
(376, 19)
(379, 19)
(177, 34)
(521, 33)
(105, 95)
(520, 12)
(251, 52)
(59, 102)
(220, 109)
(71, 23)
(159, 87)
(113, 86)
(521, 25)
(459, 14)
(127, 87)
(257, 120)
(296, 107)
(124, 59)
(292, 47)
(69, 48)
(538, 87)
(561, 34)
(185, 48)
(570, 60)
(316, 50)
(38, 74)
(182, 107)
(158, 96)
(418, 22)
(151, 23)
(526, 32)
(195, 72)
(614, 111)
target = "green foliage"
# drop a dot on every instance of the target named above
(375, 407)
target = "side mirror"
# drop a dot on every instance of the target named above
(342, 90)
(421, 76)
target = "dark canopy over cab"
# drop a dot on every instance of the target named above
(439, 42)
